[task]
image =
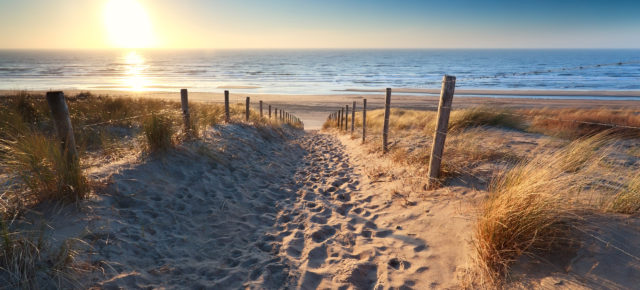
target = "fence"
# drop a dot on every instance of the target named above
(64, 129)
(341, 120)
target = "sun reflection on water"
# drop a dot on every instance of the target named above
(135, 66)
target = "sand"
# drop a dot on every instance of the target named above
(250, 208)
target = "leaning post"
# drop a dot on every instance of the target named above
(246, 110)
(385, 128)
(227, 116)
(62, 125)
(353, 117)
(346, 117)
(364, 120)
(439, 136)
(186, 117)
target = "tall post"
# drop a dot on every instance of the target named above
(439, 136)
(340, 119)
(353, 117)
(227, 116)
(246, 110)
(269, 111)
(62, 125)
(346, 115)
(260, 108)
(385, 129)
(184, 99)
(364, 120)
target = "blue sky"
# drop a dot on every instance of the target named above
(332, 24)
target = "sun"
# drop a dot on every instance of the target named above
(127, 24)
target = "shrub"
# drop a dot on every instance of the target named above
(530, 208)
(44, 168)
(158, 131)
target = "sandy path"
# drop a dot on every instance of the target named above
(196, 217)
(245, 208)
(345, 231)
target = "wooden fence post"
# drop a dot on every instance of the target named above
(353, 117)
(246, 110)
(260, 108)
(62, 125)
(227, 116)
(439, 136)
(184, 99)
(269, 111)
(364, 120)
(385, 129)
(340, 119)
(346, 119)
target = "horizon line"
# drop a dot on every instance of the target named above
(338, 48)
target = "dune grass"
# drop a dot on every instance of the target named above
(158, 131)
(28, 261)
(466, 148)
(627, 199)
(532, 208)
(559, 122)
(405, 119)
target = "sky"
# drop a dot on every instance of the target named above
(257, 24)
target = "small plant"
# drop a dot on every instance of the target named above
(158, 131)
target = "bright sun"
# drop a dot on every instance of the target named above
(127, 24)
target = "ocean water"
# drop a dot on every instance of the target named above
(318, 71)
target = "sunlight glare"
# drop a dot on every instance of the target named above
(127, 24)
(135, 78)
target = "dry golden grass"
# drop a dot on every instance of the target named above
(546, 121)
(158, 132)
(27, 261)
(627, 200)
(466, 148)
(532, 207)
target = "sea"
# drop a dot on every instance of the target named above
(324, 71)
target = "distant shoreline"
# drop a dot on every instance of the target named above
(480, 93)
(506, 92)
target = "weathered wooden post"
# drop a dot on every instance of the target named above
(260, 108)
(439, 136)
(353, 117)
(246, 110)
(227, 116)
(62, 125)
(269, 111)
(385, 128)
(364, 120)
(186, 117)
(340, 119)
(346, 119)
